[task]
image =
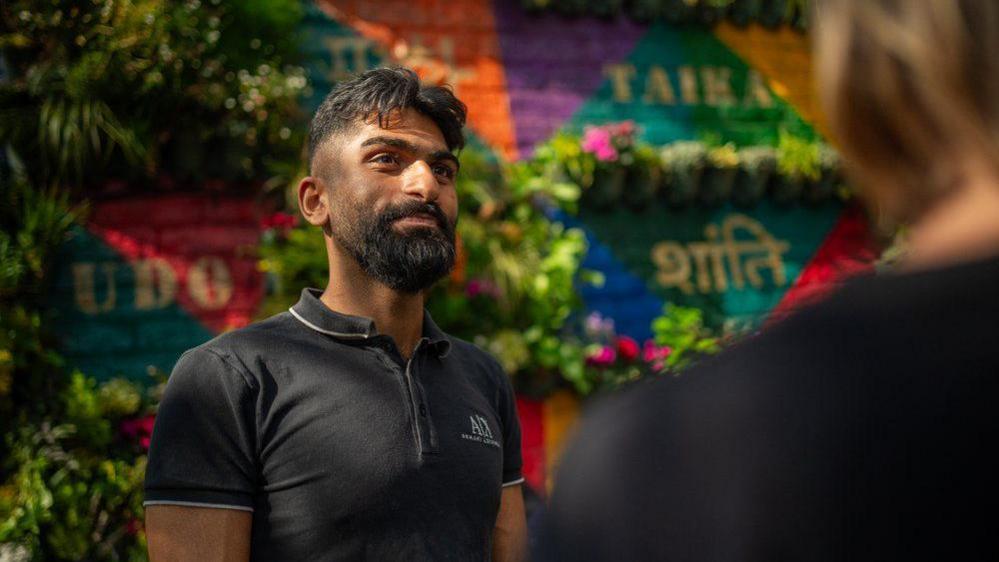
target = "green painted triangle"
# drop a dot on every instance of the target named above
(683, 83)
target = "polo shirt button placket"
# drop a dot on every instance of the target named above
(419, 409)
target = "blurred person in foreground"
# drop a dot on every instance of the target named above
(861, 428)
(349, 427)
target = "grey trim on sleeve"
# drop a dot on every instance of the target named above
(513, 482)
(197, 504)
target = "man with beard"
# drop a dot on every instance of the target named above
(349, 427)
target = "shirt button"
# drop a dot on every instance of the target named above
(423, 410)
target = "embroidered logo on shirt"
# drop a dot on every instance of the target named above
(481, 432)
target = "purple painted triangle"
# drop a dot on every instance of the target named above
(554, 63)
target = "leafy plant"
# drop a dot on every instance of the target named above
(70, 479)
(797, 158)
(682, 330)
(723, 157)
(757, 160)
(108, 90)
(680, 157)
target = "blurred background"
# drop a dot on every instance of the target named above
(647, 181)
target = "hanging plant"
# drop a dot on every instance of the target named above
(742, 12)
(757, 166)
(679, 11)
(606, 9)
(644, 11)
(829, 178)
(797, 164)
(710, 12)
(719, 175)
(683, 165)
(613, 146)
(773, 13)
(643, 179)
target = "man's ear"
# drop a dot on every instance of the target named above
(313, 201)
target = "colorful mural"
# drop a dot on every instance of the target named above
(153, 276)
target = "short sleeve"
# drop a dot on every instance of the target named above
(507, 409)
(203, 445)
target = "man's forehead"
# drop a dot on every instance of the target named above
(406, 123)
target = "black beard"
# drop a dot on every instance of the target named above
(410, 262)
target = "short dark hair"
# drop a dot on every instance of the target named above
(381, 92)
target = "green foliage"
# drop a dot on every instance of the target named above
(758, 159)
(563, 157)
(32, 224)
(682, 156)
(798, 158)
(724, 156)
(682, 330)
(131, 90)
(514, 285)
(70, 481)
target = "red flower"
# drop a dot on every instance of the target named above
(602, 357)
(283, 221)
(627, 348)
(140, 429)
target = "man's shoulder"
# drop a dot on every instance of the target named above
(476, 359)
(242, 344)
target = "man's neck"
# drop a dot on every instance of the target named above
(397, 315)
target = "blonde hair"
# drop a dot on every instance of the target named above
(911, 90)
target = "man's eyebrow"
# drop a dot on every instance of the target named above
(445, 155)
(394, 142)
(390, 141)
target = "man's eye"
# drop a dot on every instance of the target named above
(385, 159)
(446, 171)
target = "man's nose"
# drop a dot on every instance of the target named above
(420, 181)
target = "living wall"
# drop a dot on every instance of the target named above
(113, 97)
(126, 97)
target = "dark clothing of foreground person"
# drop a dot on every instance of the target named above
(860, 429)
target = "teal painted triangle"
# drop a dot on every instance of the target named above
(631, 237)
(117, 339)
(332, 51)
(669, 49)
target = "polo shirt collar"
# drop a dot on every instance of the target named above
(312, 312)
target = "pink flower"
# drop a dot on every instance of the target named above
(597, 141)
(655, 354)
(597, 326)
(627, 348)
(140, 429)
(602, 358)
(483, 287)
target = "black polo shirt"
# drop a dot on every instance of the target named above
(340, 448)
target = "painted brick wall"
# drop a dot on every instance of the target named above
(152, 276)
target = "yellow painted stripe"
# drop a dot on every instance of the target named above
(559, 414)
(783, 57)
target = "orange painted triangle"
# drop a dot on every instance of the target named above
(445, 43)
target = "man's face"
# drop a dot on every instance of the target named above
(392, 200)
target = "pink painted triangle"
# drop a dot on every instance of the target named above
(185, 230)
